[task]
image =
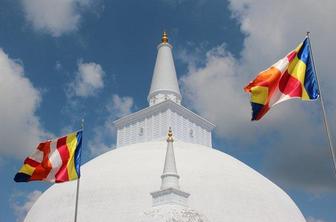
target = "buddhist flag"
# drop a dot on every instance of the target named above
(54, 161)
(291, 77)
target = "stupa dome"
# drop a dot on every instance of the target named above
(116, 186)
(171, 213)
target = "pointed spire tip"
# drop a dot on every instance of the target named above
(164, 38)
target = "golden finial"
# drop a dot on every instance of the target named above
(164, 38)
(170, 135)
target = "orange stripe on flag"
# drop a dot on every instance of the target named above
(42, 170)
(265, 78)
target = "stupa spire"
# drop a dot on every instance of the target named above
(170, 192)
(164, 82)
(169, 176)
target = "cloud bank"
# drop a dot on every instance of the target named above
(54, 17)
(291, 134)
(20, 129)
(22, 207)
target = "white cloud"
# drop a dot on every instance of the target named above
(312, 219)
(202, 86)
(20, 129)
(21, 203)
(296, 157)
(55, 17)
(120, 106)
(104, 138)
(88, 80)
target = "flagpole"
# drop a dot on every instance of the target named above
(78, 180)
(323, 109)
(76, 206)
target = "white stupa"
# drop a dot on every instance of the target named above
(210, 185)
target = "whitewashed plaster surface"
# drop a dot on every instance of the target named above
(116, 187)
(152, 123)
(171, 213)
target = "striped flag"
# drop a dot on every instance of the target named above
(291, 77)
(54, 161)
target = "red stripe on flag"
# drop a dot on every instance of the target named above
(262, 111)
(289, 85)
(62, 174)
(291, 55)
(42, 170)
(31, 162)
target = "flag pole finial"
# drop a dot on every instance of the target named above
(82, 123)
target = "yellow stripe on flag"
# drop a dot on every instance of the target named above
(297, 49)
(27, 169)
(297, 69)
(305, 95)
(259, 94)
(71, 141)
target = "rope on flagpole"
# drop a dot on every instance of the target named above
(323, 109)
(78, 180)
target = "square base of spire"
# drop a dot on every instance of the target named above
(170, 196)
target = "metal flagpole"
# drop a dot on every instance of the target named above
(323, 109)
(76, 206)
(78, 180)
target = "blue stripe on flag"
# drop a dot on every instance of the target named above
(256, 107)
(310, 81)
(78, 152)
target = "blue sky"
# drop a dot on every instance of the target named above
(66, 60)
